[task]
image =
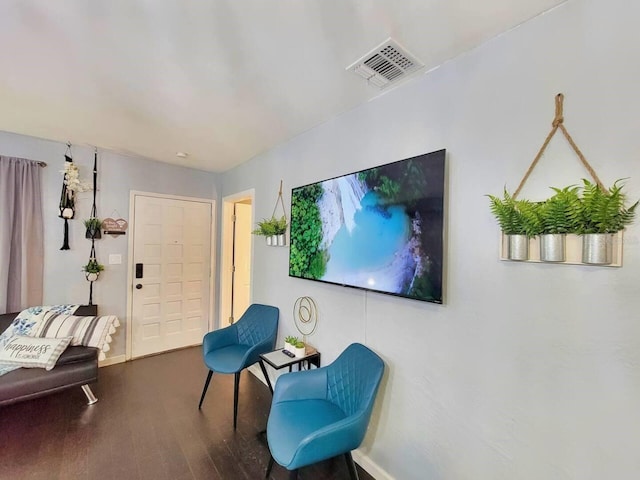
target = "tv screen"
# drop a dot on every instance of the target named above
(379, 229)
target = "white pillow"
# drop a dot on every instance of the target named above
(87, 331)
(30, 352)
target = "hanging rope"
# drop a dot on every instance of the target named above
(94, 214)
(280, 201)
(558, 123)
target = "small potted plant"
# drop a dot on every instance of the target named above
(280, 226)
(273, 229)
(290, 343)
(93, 225)
(92, 269)
(267, 229)
(519, 220)
(300, 349)
(559, 216)
(602, 213)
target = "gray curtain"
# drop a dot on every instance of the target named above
(21, 234)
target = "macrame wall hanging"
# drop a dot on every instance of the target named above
(67, 201)
(71, 185)
(92, 269)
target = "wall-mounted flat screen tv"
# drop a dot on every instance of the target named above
(379, 229)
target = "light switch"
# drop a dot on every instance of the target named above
(115, 259)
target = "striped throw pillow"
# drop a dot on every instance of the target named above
(87, 331)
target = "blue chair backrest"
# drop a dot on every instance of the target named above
(257, 324)
(353, 379)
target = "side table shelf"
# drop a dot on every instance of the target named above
(278, 360)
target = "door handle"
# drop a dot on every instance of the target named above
(139, 270)
(139, 286)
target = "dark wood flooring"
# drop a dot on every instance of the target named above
(146, 425)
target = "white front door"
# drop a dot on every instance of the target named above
(171, 278)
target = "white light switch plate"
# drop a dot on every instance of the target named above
(115, 259)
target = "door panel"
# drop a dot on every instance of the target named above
(172, 239)
(241, 260)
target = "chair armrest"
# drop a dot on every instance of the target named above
(332, 440)
(306, 385)
(253, 354)
(222, 337)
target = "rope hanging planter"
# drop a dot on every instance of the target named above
(274, 229)
(93, 268)
(569, 227)
(282, 222)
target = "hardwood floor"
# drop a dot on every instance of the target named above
(146, 425)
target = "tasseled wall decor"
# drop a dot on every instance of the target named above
(67, 201)
(71, 185)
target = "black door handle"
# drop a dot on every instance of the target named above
(139, 286)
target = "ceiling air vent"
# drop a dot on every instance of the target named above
(386, 64)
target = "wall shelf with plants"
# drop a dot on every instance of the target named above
(577, 225)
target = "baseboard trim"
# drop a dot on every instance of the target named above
(112, 360)
(255, 369)
(371, 467)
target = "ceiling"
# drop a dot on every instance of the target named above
(221, 80)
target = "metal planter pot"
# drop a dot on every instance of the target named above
(597, 248)
(518, 247)
(552, 247)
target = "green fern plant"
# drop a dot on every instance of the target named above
(281, 225)
(93, 266)
(271, 226)
(516, 217)
(604, 211)
(266, 227)
(560, 213)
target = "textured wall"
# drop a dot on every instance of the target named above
(527, 371)
(117, 176)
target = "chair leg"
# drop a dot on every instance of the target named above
(351, 466)
(204, 390)
(236, 385)
(293, 475)
(269, 467)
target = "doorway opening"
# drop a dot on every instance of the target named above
(237, 255)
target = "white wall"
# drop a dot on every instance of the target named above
(64, 281)
(528, 371)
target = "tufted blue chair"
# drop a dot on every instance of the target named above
(321, 413)
(236, 347)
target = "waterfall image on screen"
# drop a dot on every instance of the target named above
(379, 229)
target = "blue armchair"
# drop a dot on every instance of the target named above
(321, 413)
(236, 347)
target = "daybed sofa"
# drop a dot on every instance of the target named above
(77, 366)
